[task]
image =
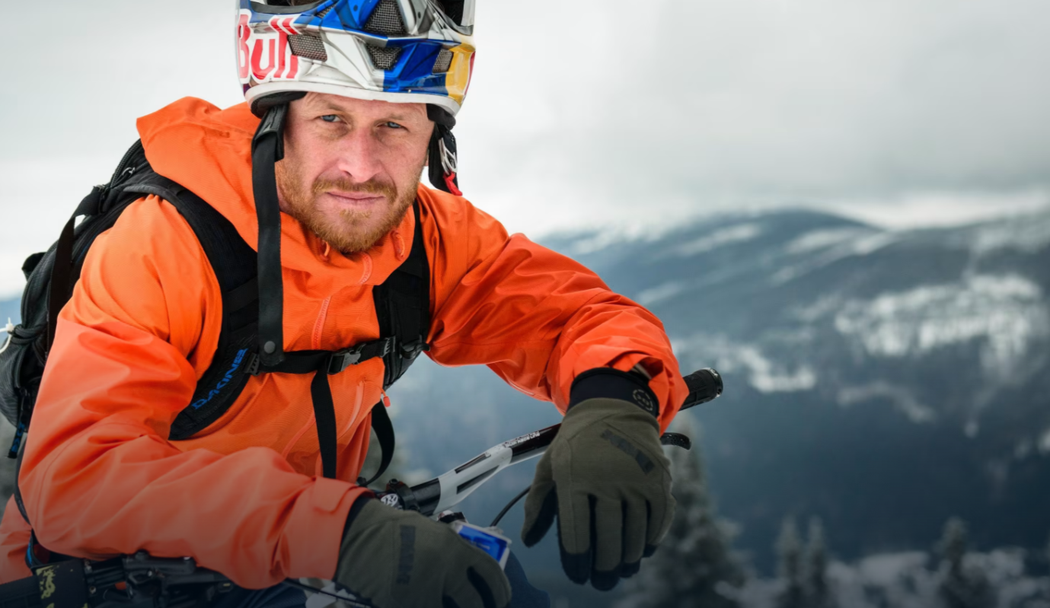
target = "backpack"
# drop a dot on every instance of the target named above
(402, 306)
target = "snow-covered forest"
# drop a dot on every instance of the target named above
(697, 567)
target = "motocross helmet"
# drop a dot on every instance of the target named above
(400, 51)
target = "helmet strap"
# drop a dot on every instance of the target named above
(267, 150)
(443, 159)
(442, 163)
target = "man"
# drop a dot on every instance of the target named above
(359, 108)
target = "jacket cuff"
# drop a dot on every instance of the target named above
(609, 383)
(311, 546)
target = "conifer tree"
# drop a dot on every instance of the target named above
(816, 582)
(694, 567)
(961, 586)
(789, 554)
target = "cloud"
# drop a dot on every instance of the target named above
(730, 102)
(592, 112)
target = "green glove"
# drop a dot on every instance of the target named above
(606, 479)
(401, 559)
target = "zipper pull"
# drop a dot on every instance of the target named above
(16, 443)
(386, 400)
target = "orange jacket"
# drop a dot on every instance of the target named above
(245, 496)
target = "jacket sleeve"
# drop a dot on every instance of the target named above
(535, 317)
(99, 476)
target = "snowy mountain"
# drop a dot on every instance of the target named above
(881, 380)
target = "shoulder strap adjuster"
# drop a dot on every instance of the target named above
(253, 364)
(411, 350)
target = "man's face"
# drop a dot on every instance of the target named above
(351, 167)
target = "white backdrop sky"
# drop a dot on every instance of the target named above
(588, 112)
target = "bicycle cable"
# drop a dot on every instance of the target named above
(510, 504)
(353, 603)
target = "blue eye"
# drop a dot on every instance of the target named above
(394, 125)
(329, 118)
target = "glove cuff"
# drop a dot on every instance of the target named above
(609, 383)
(355, 510)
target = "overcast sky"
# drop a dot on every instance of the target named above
(585, 112)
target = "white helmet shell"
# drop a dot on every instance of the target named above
(401, 51)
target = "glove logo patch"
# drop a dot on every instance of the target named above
(641, 398)
(407, 555)
(628, 448)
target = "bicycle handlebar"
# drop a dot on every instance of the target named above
(449, 489)
(429, 497)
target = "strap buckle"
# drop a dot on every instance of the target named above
(338, 361)
(254, 362)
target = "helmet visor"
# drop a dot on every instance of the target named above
(460, 13)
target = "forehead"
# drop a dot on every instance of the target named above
(362, 107)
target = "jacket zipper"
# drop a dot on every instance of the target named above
(315, 339)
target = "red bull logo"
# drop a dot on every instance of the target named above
(263, 56)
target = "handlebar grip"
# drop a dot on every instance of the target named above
(704, 385)
(23, 593)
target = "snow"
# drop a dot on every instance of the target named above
(819, 239)
(1007, 312)
(911, 580)
(860, 246)
(596, 242)
(887, 569)
(871, 244)
(1044, 442)
(661, 292)
(1028, 234)
(726, 236)
(762, 373)
(824, 306)
(901, 398)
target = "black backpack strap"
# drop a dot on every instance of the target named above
(267, 149)
(384, 430)
(63, 273)
(234, 264)
(403, 309)
(65, 269)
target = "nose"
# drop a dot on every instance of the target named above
(359, 153)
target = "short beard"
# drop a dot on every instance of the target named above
(350, 233)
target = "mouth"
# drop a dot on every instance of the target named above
(356, 199)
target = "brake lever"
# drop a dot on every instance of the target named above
(677, 440)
